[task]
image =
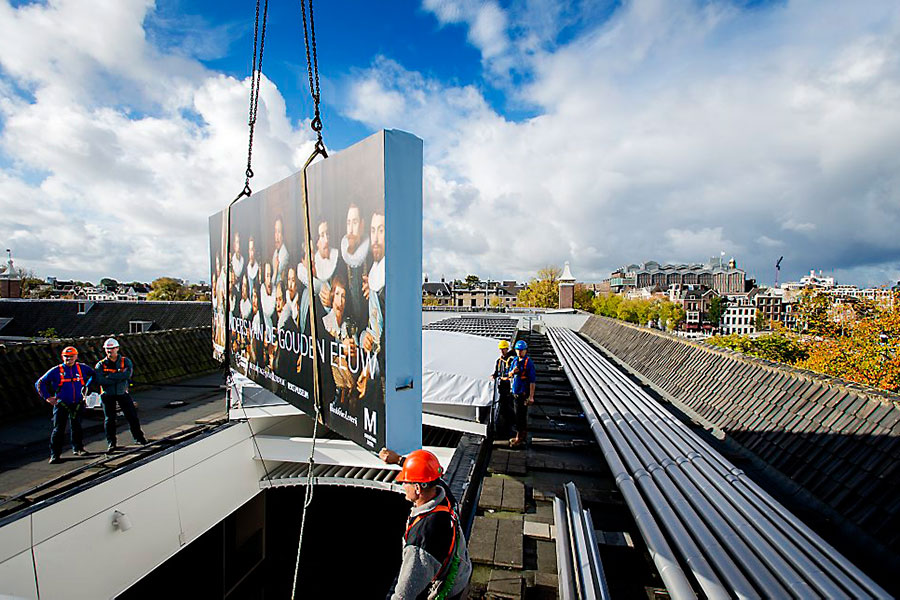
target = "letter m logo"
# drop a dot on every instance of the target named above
(370, 424)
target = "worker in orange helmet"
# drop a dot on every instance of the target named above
(435, 562)
(63, 387)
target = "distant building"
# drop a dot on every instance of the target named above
(437, 293)
(26, 319)
(811, 281)
(695, 301)
(724, 278)
(777, 305)
(10, 281)
(740, 315)
(483, 293)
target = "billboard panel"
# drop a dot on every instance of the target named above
(366, 220)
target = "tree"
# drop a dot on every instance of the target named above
(761, 322)
(814, 314)
(109, 282)
(167, 288)
(543, 290)
(717, 307)
(496, 301)
(50, 332)
(676, 317)
(429, 301)
(583, 298)
(472, 281)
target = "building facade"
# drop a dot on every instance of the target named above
(724, 278)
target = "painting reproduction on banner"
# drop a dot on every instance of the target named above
(366, 221)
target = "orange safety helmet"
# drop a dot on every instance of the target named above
(70, 351)
(420, 466)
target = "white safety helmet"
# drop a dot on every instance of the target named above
(110, 343)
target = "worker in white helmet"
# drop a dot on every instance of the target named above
(114, 376)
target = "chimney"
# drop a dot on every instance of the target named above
(426, 277)
(566, 288)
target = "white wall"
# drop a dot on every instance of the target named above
(170, 501)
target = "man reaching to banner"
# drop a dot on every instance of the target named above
(436, 562)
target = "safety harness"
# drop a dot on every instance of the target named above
(63, 379)
(120, 367)
(502, 367)
(523, 369)
(450, 565)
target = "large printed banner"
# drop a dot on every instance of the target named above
(366, 219)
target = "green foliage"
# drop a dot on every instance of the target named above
(814, 314)
(717, 307)
(543, 290)
(640, 312)
(108, 282)
(167, 288)
(472, 281)
(777, 347)
(583, 298)
(50, 332)
(761, 322)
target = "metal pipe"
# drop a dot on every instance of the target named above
(819, 550)
(798, 581)
(675, 496)
(673, 576)
(817, 559)
(565, 572)
(595, 553)
(822, 569)
(585, 573)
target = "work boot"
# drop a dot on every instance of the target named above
(54, 460)
(142, 442)
(79, 452)
(111, 448)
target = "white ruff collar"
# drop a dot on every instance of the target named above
(325, 266)
(376, 276)
(252, 270)
(303, 278)
(356, 259)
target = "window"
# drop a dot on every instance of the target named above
(139, 326)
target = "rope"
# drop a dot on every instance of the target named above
(312, 68)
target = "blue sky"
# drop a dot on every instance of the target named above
(602, 133)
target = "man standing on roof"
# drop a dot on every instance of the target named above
(114, 374)
(435, 560)
(507, 409)
(63, 386)
(523, 377)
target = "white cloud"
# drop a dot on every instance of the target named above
(134, 147)
(671, 130)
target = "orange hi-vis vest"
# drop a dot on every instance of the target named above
(453, 521)
(62, 375)
(117, 369)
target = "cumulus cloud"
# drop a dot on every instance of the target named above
(120, 150)
(665, 131)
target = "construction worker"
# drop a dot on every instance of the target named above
(64, 386)
(114, 374)
(506, 410)
(523, 377)
(435, 562)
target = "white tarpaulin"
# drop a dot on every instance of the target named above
(456, 368)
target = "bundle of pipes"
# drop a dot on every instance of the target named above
(732, 539)
(577, 556)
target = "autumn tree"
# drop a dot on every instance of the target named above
(814, 314)
(542, 291)
(167, 288)
(583, 297)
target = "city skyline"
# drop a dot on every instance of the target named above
(595, 133)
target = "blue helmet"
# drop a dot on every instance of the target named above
(521, 345)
